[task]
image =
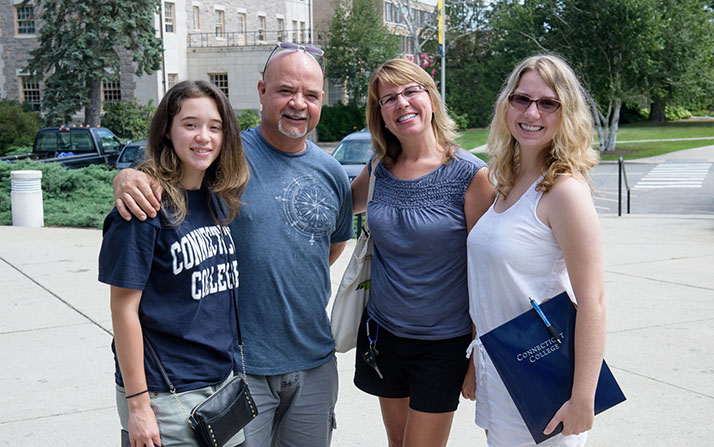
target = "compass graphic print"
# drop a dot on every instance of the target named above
(308, 207)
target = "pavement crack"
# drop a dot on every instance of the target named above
(661, 381)
(660, 280)
(654, 326)
(44, 328)
(62, 300)
(657, 261)
(47, 416)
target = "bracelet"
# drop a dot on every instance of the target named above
(137, 394)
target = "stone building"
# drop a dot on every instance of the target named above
(226, 42)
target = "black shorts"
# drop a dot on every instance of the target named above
(429, 372)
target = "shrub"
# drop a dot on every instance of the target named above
(71, 197)
(248, 118)
(674, 113)
(461, 120)
(19, 127)
(340, 120)
(128, 119)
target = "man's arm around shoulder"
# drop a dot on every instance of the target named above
(136, 193)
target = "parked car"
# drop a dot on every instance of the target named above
(131, 155)
(353, 152)
(74, 147)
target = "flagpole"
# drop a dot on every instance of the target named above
(442, 49)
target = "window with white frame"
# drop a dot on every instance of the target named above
(220, 80)
(295, 31)
(281, 29)
(25, 19)
(220, 23)
(303, 37)
(30, 91)
(261, 27)
(196, 18)
(172, 79)
(169, 19)
(111, 91)
(387, 12)
(241, 29)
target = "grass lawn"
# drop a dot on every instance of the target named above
(472, 138)
(641, 131)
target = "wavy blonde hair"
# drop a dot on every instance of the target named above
(227, 175)
(571, 151)
(399, 72)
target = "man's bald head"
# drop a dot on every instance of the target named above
(291, 95)
(299, 58)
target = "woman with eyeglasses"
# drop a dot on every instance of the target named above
(428, 193)
(541, 236)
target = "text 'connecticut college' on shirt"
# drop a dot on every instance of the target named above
(198, 246)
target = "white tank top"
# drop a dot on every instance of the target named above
(511, 256)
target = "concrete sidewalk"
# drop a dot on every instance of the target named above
(56, 370)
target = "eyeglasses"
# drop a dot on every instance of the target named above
(290, 46)
(523, 102)
(408, 93)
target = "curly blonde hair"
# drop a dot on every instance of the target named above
(571, 151)
(227, 175)
(399, 72)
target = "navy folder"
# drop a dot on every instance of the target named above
(537, 371)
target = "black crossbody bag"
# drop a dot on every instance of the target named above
(224, 413)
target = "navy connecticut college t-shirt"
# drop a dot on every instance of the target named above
(186, 308)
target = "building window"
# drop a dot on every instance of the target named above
(169, 17)
(25, 19)
(281, 30)
(111, 91)
(172, 79)
(220, 80)
(220, 23)
(31, 91)
(388, 7)
(196, 18)
(241, 29)
(261, 27)
(295, 31)
(302, 32)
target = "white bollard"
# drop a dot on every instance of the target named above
(26, 198)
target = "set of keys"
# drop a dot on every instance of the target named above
(370, 356)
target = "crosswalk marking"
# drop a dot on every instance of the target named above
(675, 175)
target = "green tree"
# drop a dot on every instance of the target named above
(18, 126)
(612, 44)
(473, 76)
(128, 119)
(80, 46)
(358, 43)
(685, 64)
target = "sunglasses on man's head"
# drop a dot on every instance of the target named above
(290, 46)
(522, 102)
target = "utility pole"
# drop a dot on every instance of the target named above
(442, 49)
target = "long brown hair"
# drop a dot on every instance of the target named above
(227, 175)
(399, 72)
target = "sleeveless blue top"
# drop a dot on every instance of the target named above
(419, 281)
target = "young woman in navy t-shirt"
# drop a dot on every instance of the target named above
(171, 276)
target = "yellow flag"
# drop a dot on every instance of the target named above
(440, 6)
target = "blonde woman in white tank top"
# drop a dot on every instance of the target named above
(540, 236)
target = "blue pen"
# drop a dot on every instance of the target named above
(542, 316)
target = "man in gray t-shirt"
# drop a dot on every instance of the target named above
(295, 221)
